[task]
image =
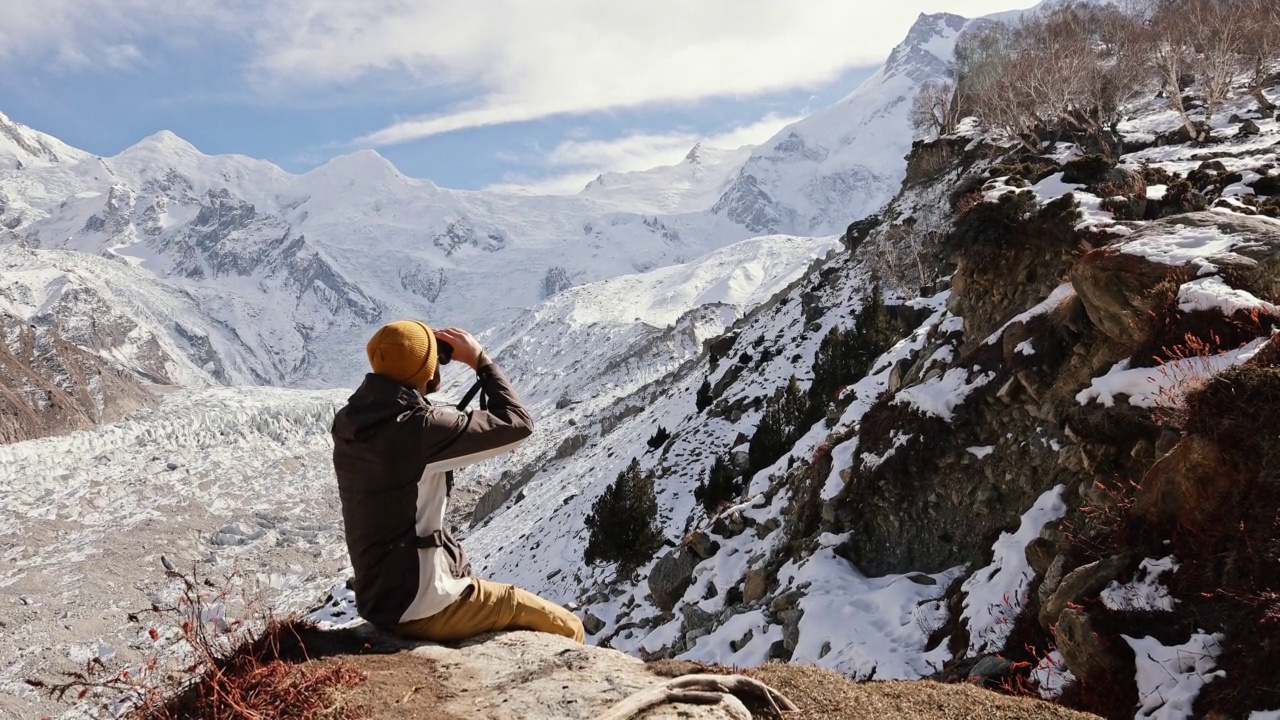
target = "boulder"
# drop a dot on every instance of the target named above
(1186, 486)
(1115, 289)
(990, 670)
(537, 676)
(592, 624)
(1051, 579)
(1079, 584)
(1087, 654)
(1114, 282)
(670, 577)
(695, 618)
(755, 586)
(1087, 170)
(1120, 182)
(788, 600)
(1268, 185)
(702, 545)
(1040, 553)
(1250, 128)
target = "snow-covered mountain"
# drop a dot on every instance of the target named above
(692, 185)
(300, 267)
(21, 147)
(847, 160)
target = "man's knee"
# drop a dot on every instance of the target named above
(579, 632)
(537, 613)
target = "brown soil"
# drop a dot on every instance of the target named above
(824, 695)
(400, 685)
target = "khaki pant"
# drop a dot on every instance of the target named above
(489, 606)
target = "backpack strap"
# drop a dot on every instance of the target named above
(432, 540)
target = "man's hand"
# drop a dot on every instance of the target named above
(466, 349)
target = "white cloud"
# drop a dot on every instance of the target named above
(573, 163)
(489, 62)
(641, 151)
(100, 34)
(528, 60)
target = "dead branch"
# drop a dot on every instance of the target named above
(703, 690)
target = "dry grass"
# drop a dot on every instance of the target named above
(269, 677)
(228, 671)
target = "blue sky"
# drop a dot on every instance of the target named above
(490, 93)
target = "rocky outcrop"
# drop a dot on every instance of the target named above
(527, 676)
(535, 676)
(1116, 282)
(671, 576)
(49, 385)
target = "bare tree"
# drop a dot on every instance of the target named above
(934, 109)
(991, 84)
(1260, 20)
(981, 57)
(1118, 74)
(1170, 51)
(1219, 37)
(1070, 68)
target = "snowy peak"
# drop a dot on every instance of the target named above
(21, 147)
(844, 162)
(930, 43)
(171, 164)
(360, 163)
(161, 150)
(692, 185)
(163, 141)
(365, 169)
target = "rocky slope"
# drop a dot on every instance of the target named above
(87, 341)
(966, 503)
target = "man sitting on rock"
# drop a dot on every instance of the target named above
(394, 455)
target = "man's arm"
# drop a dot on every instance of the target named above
(467, 438)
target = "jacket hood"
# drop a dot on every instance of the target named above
(379, 400)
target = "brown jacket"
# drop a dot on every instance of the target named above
(394, 455)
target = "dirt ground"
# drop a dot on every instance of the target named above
(406, 686)
(824, 695)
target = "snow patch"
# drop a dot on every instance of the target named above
(1147, 387)
(1056, 299)
(1186, 246)
(982, 452)
(855, 624)
(1144, 593)
(1170, 677)
(1212, 293)
(942, 395)
(995, 594)
(1051, 676)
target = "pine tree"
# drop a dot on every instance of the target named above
(830, 367)
(659, 438)
(703, 400)
(785, 416)
(623, 524)
(846, 356)
(873, 334)
(718, 485)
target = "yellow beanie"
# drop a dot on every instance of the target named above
(404, 351)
